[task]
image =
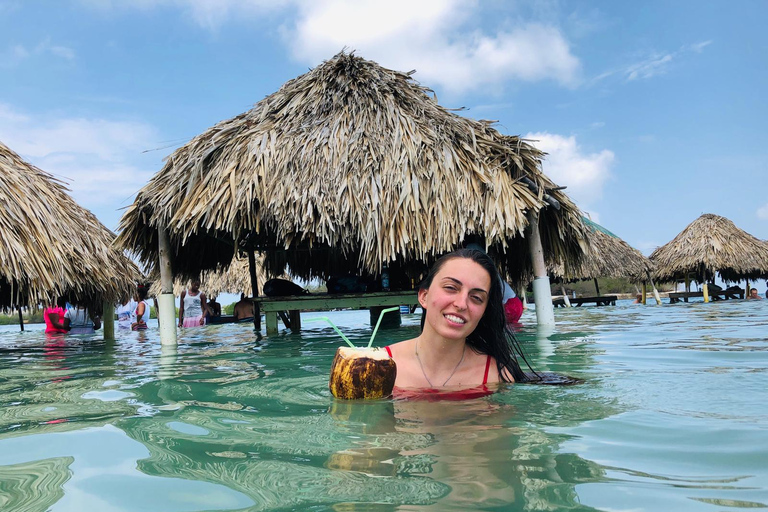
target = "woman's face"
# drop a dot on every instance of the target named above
(456, 299)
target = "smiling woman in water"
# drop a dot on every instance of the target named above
(465, 346)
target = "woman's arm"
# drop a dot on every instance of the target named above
(181, 308)
(55, 320)
(96, 321)
(206, 311)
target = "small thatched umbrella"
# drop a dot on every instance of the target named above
(344, 169)
(607, 255)
(51, 246)
(712, 244)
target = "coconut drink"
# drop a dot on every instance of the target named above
(361, 372)
(367, 373)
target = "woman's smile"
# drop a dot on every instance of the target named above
(457, 298)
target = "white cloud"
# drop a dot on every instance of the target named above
(566, 164)
(699, 47)
(100, 159)
(435, 38)
(209, 14)
(762, 212)
(647, 247)
(439, 38)
(654, 65)
(18, 53)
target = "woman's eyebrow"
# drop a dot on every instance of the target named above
(461, 284)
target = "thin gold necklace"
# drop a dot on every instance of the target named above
(449, 377)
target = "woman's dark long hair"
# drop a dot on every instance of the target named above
(491, 336)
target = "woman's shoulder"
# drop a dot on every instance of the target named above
(401, 347)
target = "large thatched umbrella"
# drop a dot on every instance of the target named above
(343, 169)
(51, 246)
(712, 244)
(607, 255)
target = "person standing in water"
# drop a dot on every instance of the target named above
(125, 313)
(243, 311)
(465, 344)
(142, 311)
(193, 306)
(79, 320)
(513, 306)
(54, 317)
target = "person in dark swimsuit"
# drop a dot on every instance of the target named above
(465, 347)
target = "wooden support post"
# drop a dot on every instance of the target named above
(705, 291)
(271, 318)
(21, 319)
(108, 320)
(645, 293)
(542, 294)
(284, 317)
(295, 316)
(254, 289)
(746, 289)
(687, 282)
(166, 304)
(597, 288)
(566, 300)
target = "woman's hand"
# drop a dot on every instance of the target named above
(202, 320)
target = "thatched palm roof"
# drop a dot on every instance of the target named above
(232, 278)
(607, 255)
(50, 245)
(344, 168)
(712, 244)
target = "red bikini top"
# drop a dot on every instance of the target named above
(433, 394)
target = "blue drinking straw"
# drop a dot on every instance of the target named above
(381, 315)
(334, 328)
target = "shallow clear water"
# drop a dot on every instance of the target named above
(673, 415)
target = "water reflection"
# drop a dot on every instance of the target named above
(672, 408)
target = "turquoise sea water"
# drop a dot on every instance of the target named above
(673, 415)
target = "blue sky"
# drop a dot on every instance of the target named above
(652, 112)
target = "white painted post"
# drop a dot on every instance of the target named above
(166, 303)
(168, 356)
(566, 300)
(542, 294)
(655, 291)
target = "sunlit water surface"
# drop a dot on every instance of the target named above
(673, 415)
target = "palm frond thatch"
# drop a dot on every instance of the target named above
(234, 278)
(51, 246)
(712, 244)
(607, 255)
(344, 168)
